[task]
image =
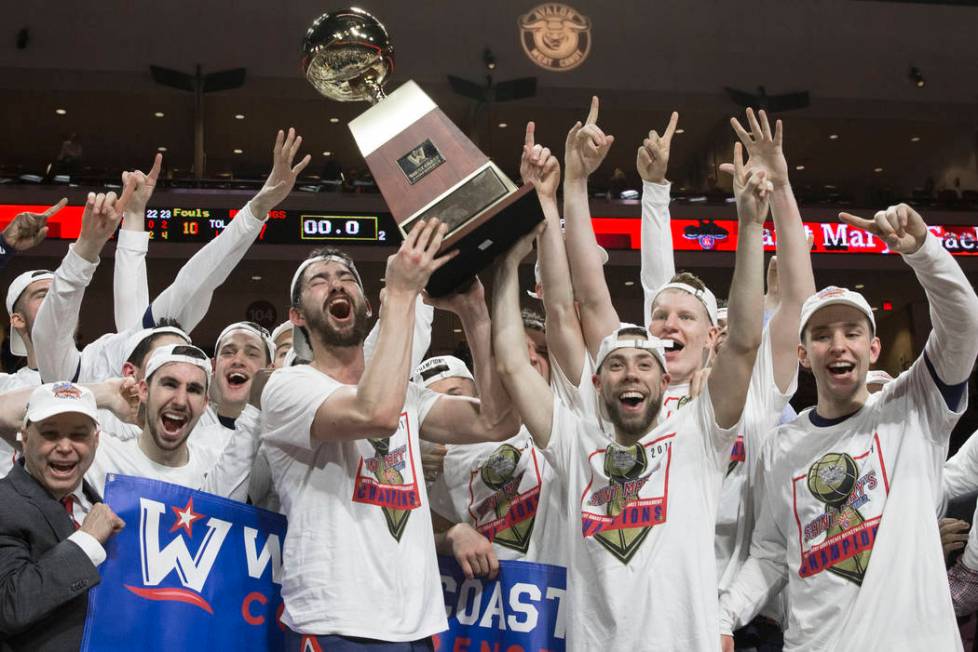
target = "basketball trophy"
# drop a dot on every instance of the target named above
(832, 480)
(423, 164)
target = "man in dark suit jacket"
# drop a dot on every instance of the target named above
(53, 526)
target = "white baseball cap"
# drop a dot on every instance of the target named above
(186, 353)
(16, 288)
(706, 297)
(60, 398)
(626, 337)
(722, 314)
(300, 343)
(285, 326)
(138, 336)
(251, 328)
(831, 296)
(439, 368)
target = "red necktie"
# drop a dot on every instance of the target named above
(69, 503)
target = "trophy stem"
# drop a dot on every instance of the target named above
(375, 92)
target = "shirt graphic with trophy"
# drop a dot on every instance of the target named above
(838, 505)
(386, 477)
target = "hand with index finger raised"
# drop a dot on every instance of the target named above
(652, 159)
(28, 230)
(900, 227)
(586, 146)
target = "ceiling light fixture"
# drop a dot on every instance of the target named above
(159, 114)
(238, 151)
(161, 149)
(327, 153)
(916, 77)
(503, 125)
(680, 131)
(239, 116)
(60, 111)
(799, 167)
(833, 136)
(877, 169)
(334, 120)
(860, 286)
(915, 139)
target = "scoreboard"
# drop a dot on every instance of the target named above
(192, 224)
(179, 224)
(704, 234)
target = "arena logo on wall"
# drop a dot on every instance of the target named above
(555, 36)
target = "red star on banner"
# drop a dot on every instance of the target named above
(186, 518)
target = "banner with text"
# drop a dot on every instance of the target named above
(522, 610)
(190, 571)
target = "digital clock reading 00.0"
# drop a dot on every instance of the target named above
(339, 227)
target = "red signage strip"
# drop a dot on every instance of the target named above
(625, 233)
(721, 235)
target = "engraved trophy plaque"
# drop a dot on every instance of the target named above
(423, 164)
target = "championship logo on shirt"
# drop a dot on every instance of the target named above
(390, 481)
(627, 495)
(504, 493)
(838, 504)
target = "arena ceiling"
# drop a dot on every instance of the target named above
(644, 59)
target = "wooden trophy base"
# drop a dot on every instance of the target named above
(426, 167)
(491, 235)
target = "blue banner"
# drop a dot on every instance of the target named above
(522, 610)
(190, 571)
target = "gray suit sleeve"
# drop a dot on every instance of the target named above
(31, 590)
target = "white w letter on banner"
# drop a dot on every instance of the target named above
(272, 550)
(157, 564)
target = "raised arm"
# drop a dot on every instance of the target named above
(528, 391)
(730, 377)
(373, 407)
(951, 346)
(563, 327)
(658, 260)
(796, 281)
(584, 151)
(130, 289)
(54, 328)
(25, 231)
(458, 420)
(118, 395)
(763, 574)
(189, 296)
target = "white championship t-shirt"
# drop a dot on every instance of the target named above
(641, 526)
(853, 505)
(23, 377)
(738, 504)
(126, 458)
(499, 489)
(359, 558)
(737, 507)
